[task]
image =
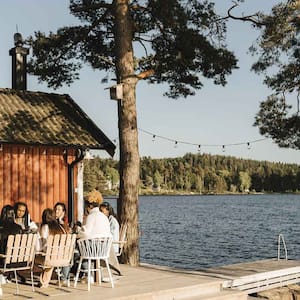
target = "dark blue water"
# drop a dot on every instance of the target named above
(195, 232)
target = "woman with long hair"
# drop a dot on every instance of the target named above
(108, 210)
(7, 226)
(22, 217)
(60, 211)
(49, 226)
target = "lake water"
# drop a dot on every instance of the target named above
(196, 232)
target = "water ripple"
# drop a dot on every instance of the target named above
(196, 232)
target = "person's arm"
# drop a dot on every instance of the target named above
(115, 229)
(42, 240)
(86, 229)
(32, 226)
(44, 231)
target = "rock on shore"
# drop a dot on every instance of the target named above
(290, 292)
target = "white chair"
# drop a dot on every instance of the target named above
(122, 240)
(59, 253)
(20, 252)
(94, 250)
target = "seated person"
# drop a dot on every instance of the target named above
(7, 226)
(96, 223)
(22, 217)
(60, 211)
(108, 210)
(49, 227)
(93, 196)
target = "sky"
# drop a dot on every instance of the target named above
(214, 117)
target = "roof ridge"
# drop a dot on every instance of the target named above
(14, 91)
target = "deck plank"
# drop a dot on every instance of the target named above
(154, 282)
(250, 268)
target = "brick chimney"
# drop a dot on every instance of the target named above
(19, 65)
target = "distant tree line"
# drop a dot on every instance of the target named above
(197, 173)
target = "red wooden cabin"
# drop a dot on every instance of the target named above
(43, 137)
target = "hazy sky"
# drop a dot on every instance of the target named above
(214, 116)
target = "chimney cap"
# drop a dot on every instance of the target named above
(18, 39)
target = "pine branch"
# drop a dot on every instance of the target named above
(250, 18)
(145, 74)
(86, 8)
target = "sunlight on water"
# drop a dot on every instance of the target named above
(196, 232)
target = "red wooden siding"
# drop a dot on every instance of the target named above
(34, 175)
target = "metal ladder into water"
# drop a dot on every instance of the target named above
(267, 274)
(281, 239)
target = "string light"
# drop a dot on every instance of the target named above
(199, 148)
(177, 142)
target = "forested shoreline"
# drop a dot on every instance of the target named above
(197, 173)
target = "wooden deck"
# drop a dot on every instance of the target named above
(142, 283)
(160, 283)
(259, 275)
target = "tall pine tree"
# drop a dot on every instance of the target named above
(183, 42)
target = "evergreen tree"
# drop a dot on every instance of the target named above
(279, 50)
(183, 42)
(253, 175)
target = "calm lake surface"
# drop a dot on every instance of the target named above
(196, 232)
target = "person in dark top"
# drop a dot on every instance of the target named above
(7, 226)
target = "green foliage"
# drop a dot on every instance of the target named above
(100, 174)
(275, 121)
(245, 181)
(157, 179)
(205, 174)
(279, 50)
(183, 42)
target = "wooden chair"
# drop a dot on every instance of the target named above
(59, 252)
(122, 240)
(94, 250)
(20, 252)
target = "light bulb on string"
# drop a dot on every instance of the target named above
(223, 146)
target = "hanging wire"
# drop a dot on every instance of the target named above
(154, 135)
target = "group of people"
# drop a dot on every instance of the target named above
(100, 221)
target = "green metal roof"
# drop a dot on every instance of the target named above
(37, 118)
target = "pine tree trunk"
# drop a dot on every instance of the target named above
(128, 135)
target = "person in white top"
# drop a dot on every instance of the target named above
(96, 225)
(108, 210)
